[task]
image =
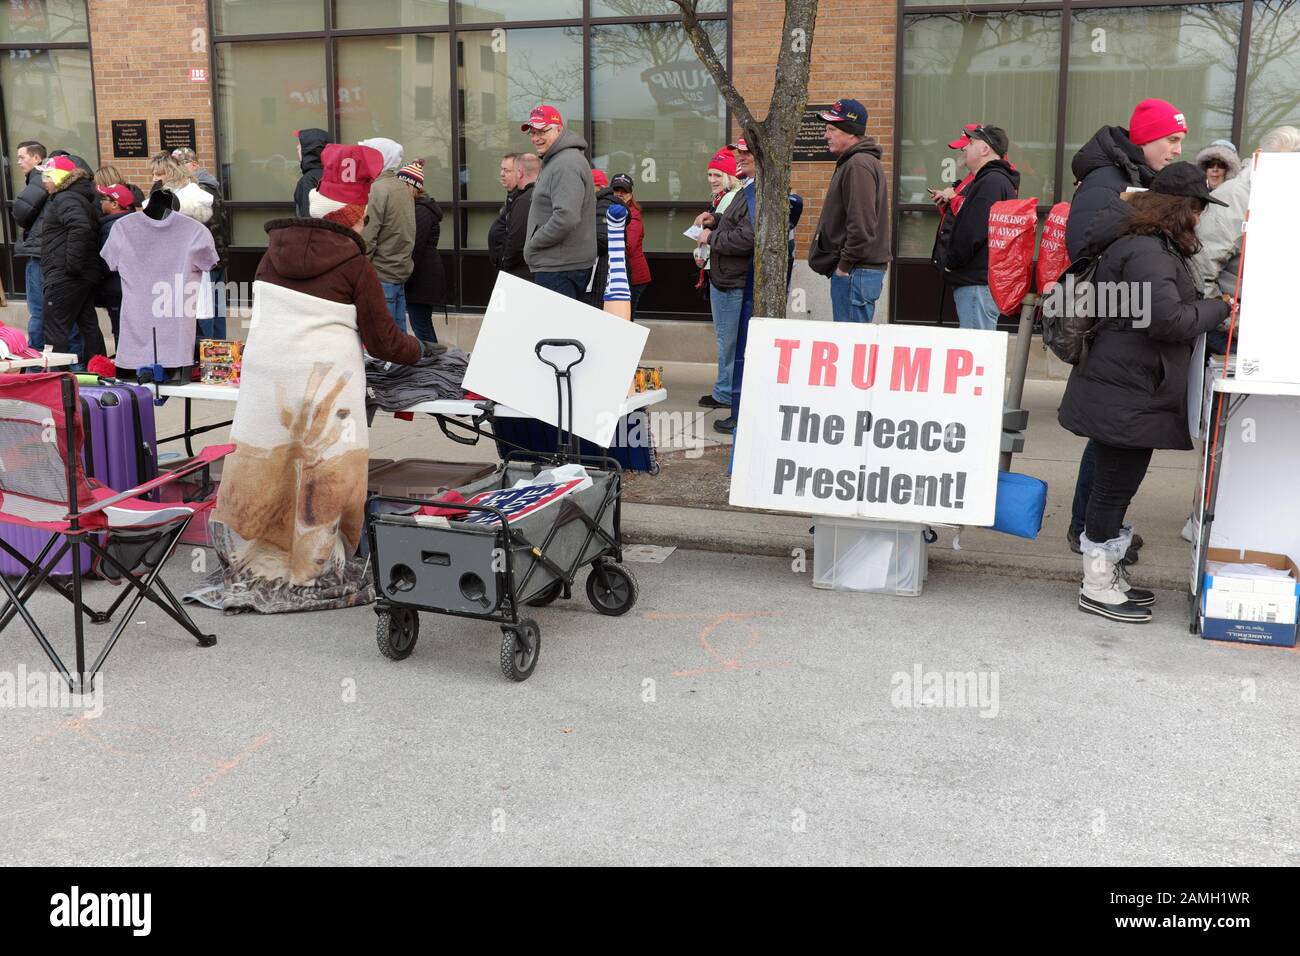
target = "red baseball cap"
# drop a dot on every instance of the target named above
(118, 193)
(962, 141)
(739, 144)
(599, 178)
(61, 163)
(542, 117)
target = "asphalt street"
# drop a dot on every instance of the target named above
(735, 716)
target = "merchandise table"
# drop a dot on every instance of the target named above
(463, 413)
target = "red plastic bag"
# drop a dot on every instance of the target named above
(1011, 251)
(1053, 258)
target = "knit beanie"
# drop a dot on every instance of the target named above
(347, 172)
(1153, 120)
(413, 173)
(724, 160)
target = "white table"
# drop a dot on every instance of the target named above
(476, 410)
(46, 360)
(1263, 470)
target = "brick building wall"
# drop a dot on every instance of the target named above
(853, 56)
(142, 71)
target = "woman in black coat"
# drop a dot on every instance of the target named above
(1129, 392)
(70, 259)
(426, 289)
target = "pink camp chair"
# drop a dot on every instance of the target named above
(43, 486)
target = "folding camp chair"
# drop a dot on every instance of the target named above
(44, 487)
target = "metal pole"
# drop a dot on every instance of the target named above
(1019, 363)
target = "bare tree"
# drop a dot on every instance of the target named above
(771, 139)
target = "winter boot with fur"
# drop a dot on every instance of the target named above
(1105, 591)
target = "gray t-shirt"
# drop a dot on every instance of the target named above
(162, 264)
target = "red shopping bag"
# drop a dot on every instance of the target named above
(1012, 223)
(1053, 258)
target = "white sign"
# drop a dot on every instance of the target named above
(504, 366)
(1269, 349)
(873, 421)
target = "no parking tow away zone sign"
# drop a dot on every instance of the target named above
(874, 421)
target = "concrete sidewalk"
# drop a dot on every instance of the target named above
(686, 504)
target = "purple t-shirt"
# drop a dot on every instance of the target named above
(161, 264)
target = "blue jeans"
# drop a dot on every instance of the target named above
(395, 296)
(725, 304)
(853, 297)
(35, 282)
(975, 307)
(215, 328)
(421, 321)
(572, 283)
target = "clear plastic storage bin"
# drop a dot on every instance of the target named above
(881, 557)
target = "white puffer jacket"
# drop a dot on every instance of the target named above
(1220, 234)
(196, 202)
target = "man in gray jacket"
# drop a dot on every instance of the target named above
(561, 246)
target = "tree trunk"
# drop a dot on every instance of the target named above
(771, 140)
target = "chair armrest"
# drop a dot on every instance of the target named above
(206, 457)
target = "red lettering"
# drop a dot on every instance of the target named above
(821, 371)
(864, 370)
(960, 363)
(910, 371)
(786, 346)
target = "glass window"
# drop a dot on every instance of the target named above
(1186, 55)
(916, 234)
(663, 228)
(1272, 94)
(502, 76)
(477, 222)
(267, 91)
(49, 97)
(351, 14)
(246, 225)
(649, 8)
(496, 11)
(268, 16)
(53, 21)
(397, 87)
(657, 112)
(996, 68)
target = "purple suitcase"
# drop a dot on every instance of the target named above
(120, 451)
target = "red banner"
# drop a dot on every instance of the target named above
(1011, 251)
(1053, 259)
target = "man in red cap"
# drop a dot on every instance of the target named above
(1117, 158)
(1114, 160)
(561, 246)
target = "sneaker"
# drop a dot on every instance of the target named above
(725, 425)
(708, 401)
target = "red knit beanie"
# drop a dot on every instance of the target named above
(1153, 120)
(347, 216)
(725, 161)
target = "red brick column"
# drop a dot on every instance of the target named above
(142, 55)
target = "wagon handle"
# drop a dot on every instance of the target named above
(563, 378)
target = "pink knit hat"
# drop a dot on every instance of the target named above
(13, 344)
(1153, 120)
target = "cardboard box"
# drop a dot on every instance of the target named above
(1248, 609)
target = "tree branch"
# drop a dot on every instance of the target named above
(713, 63)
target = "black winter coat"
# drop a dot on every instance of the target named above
(109, 293)
(497, 231)
(967, 257)
(217, 224)
(428, 282)
(312, 141)
(510, 256)
(604, 199)
(1131, 388)
(70, 234)
(28, 207)
(1107, 165)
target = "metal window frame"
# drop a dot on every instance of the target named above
(452, 28)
